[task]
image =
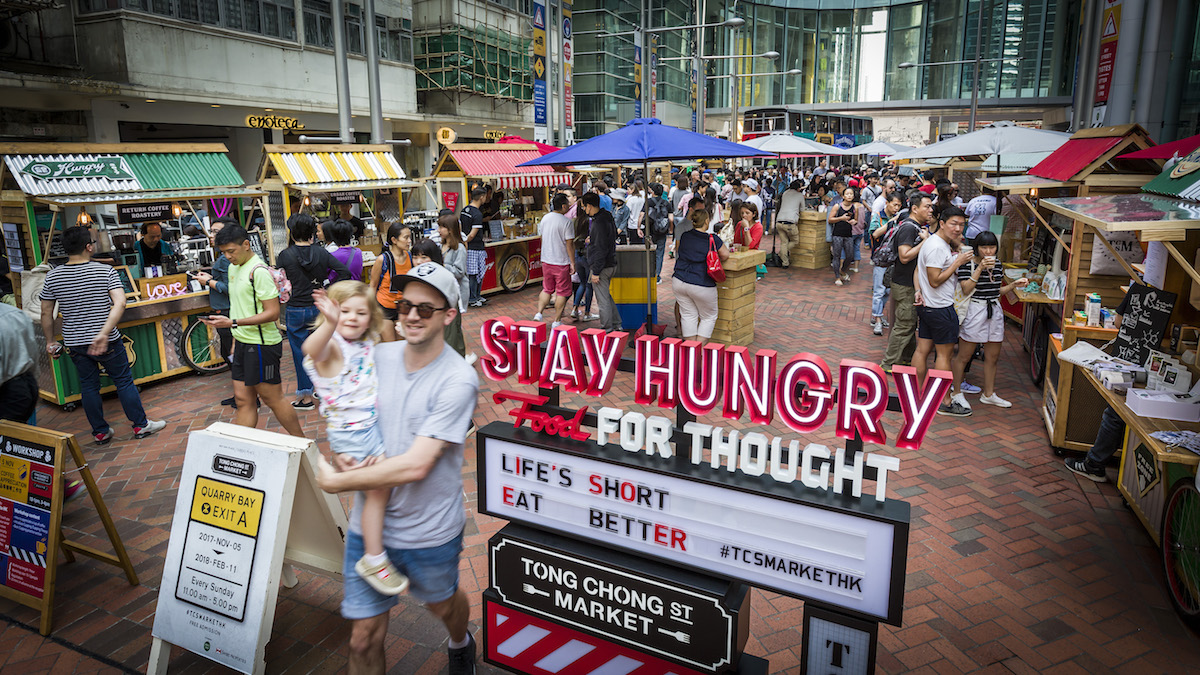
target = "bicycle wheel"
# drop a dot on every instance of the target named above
(1038, 352)
(514, 273)
(1181, 550)
(200, 349)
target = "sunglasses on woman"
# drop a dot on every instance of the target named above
(424, 310)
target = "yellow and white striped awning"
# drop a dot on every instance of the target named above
(300, 168)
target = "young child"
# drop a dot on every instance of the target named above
(339, 357)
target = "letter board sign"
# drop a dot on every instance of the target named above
(836, 644)
(804, 543)
(521, 642)
(689, 618)
(239, 493)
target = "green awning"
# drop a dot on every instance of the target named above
(174, 171)
(1186, 186)
(153, 196)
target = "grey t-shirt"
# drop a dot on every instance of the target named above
(436, 401)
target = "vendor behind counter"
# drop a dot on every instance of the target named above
(152, 251)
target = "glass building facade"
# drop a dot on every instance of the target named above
(848, 52)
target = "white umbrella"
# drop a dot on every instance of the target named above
(881, 148)
(998, 138)
(787, 144)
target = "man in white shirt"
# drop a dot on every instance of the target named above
(937, 321)
(750, 190)
(558, 255)
(790, 203)
(979, 212)
(889, 186)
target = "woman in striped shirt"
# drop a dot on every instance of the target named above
(983, 280)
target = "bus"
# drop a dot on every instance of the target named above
(844, 131)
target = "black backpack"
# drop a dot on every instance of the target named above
(659, 214)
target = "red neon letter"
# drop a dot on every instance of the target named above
(919, 406)
(657, 361)
(564, 361)
(862, 413)
(807, 412)
(499, 354)
(603, 351)
(745, 390)
(528, 337)
(700, 376)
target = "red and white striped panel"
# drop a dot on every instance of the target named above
(527, 644)
(533, 180)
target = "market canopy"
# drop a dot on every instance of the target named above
(788, 144)
(998, 138)
(543, 148)
(1013, 162)
(881, 148)
(1140, 212)
(646, 140)
(1181, 179)
(501, 163)
(83, 173)
(1181, 148)
(333, 168)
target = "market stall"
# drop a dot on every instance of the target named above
(114, 188)
(514, 247)
(1170, 229)
(306, 178)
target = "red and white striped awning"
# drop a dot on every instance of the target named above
(518, 181)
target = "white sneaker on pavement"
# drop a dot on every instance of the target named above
(152, 426)
(995, 400)
(537, 317)
(961, 400)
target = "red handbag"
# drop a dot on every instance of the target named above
(713, 261)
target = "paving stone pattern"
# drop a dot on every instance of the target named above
(1014, 564)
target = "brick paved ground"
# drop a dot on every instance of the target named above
(1014, 564)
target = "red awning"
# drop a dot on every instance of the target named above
(1073, 157)
(502, 163)
(543, 148)
(1183, 147)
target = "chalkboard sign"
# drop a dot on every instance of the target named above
(1144, 322)
(126, 280)
(1042, 250)
(257, 245)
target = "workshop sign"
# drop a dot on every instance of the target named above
(695, 620)
(240, 492)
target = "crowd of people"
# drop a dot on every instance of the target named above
(935, 284)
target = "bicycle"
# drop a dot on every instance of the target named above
(200, 348)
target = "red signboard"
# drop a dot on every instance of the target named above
(1104, 70)
(526, 644)
(451, 200)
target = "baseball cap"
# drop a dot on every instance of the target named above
(750, 183)
(431, 274)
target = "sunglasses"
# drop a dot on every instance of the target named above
(424, 310)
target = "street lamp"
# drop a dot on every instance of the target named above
(974, 80)
(793, 71)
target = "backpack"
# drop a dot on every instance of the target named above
(659, 214)
(884, 254)
(281, 281)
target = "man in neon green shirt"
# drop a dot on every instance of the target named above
(257, 344)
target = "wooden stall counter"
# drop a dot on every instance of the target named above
(512, 263)
(736, 297)
(811, 251)
(1071, 408)
(152, 331)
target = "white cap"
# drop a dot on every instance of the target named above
(751, 183)
(432, 274)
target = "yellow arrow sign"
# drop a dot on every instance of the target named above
(539, 67)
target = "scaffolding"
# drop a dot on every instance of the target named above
(480, 60)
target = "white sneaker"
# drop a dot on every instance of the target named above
(592, 317)
(961, 400)
(472, 358)
(845, 277)
(838, 282)
(877, 328)
(152, 427)
(537, 317)
(995, 400)
(555, 324)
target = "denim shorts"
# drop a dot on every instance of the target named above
(432, 574)
(357, 444)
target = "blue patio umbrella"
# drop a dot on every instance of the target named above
(646, 140)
